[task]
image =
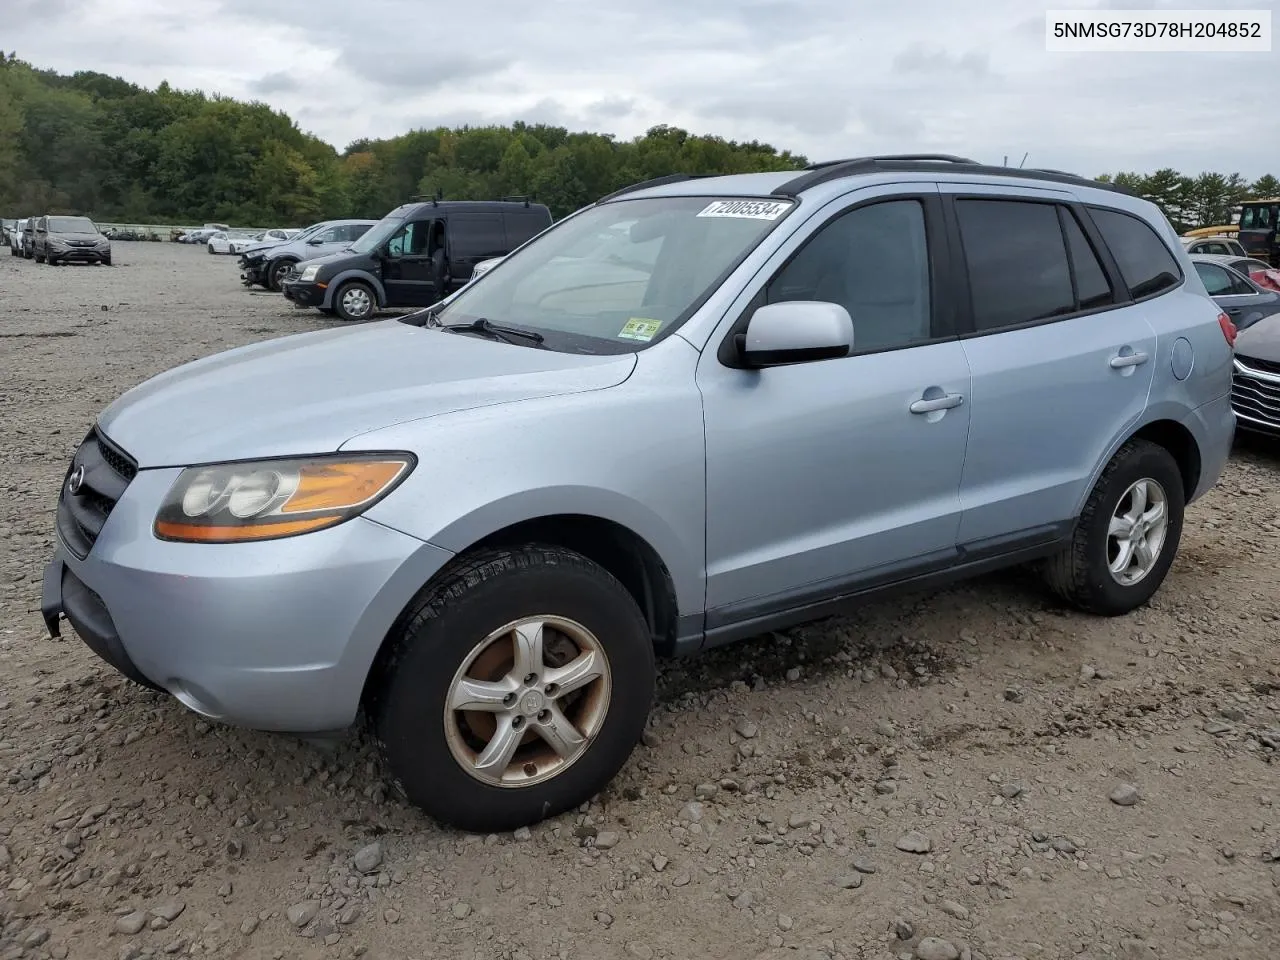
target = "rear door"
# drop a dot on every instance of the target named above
(1061, 360)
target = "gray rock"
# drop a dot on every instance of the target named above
(368, 859)
(131, 923)
(903, 930)
(692, 812)
(934, 948)
(1217, 728)
(798, 821)
(706, 791)
(848, 881)
(640, 950)
(746, 729)
(744, 900)
(660, 863)
(35, 937)
(793, 674)
(604, 917)
(680, 880)
(885, 728)
(523, 834)
(863, 865)
(953, 909)
(249, 925)
(1013, 790)
(300, 914)
(170, 911)
(607, 840)
(914, 842)
(1124, 795)
(349, 914)
(461, 910)
(1063, 845)
(785, 923)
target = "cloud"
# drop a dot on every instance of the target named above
(826, 79)
(278, 81)
(920, 58)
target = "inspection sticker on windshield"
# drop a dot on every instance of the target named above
(746, 209)
(638, 328)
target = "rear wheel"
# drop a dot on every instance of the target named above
(39, 258)
(1127, 534)
(516, 689)
(354, 301)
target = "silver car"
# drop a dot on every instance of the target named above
(479, 524)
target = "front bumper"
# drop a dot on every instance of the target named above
(277, 635)
(302, 294)
(79, 255)
(252, 273)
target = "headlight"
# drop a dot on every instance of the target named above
(57, 242)
(309, 274)
(268, 499)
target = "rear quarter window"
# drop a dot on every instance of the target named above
(1146, 264)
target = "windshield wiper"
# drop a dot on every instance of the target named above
(497, 331)
(426, 317)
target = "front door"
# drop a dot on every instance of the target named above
(1062, 359)
(407, 272)
(830, 476)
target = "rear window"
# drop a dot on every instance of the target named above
(1017, 258)
(1145, 262)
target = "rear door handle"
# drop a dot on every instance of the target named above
(1128, 360)
(937, 403)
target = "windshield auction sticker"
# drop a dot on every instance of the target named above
(639, 328)
(746, 209)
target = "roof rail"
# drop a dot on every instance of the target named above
(923, 157)
(864, 165)
(655, 182)
(520, 198)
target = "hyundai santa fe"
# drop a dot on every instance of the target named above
(479, 524)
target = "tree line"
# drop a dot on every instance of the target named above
(93, 144)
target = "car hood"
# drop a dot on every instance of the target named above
(76, 235)
(1261, 340)
(311, 392)
(258, 245)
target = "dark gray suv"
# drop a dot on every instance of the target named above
(68, 240)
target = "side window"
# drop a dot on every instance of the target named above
(329, 236)
(1145, 262)
(1017, 259)
(478, 235)
(1093, 289)
(1217, 281)
(873, 261)
(410, 240)
(1240, 286)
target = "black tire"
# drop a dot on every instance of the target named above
(277, 273)
(1080, 574)
(354, 287)
(211, 250)
(479, 596)
(39, 258)
(106, 261)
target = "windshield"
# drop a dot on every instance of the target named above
(71, 225)
(620, 275)
(372, 238)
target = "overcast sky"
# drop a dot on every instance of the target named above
(826, 78)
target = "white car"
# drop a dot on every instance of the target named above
(15, 238)
(223, 242)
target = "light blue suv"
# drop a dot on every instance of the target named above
(480, 523)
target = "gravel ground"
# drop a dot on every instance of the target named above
(977, 773)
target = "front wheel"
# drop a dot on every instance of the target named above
(277, 274)
(39, 257)
(1127, 535)
(354, 301)
(211, 250)
(516, 689)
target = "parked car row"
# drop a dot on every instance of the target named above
(59, 239)
(415, 256)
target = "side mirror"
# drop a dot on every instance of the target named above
(314, 242)
(796, 331)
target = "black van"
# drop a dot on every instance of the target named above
(415, 256)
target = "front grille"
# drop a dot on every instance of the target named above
(1253, 363)
(107, 471)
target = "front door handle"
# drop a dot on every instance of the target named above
(945, 402)
(1128, 360)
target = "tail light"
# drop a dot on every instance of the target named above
(1228, 329)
